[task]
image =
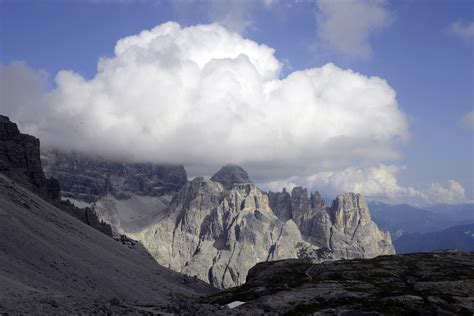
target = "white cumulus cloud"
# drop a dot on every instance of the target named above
(347, 26)
(376, 182)
(204, 96)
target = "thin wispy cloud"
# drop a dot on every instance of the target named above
(468, 120)
(463, 30)
(235, 15)
(348, 26)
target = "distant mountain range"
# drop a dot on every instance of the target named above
(217, 228)
(401, 219)
(434, 227)
(460, 212)
(213, 229)
(458, 237)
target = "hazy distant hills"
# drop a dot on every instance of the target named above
(457, 237)
(459, 212)
(400, 219)
(435, 227)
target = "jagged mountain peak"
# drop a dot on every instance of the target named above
(350, 201)
(231, 174)
(5, 119)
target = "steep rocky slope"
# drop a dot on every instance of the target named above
(52, 263)
(416, 284)
(128, 196)
(217, 234)
(20, 160)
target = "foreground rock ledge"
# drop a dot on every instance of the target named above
(421, 283)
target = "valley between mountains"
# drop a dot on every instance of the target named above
(216, 229)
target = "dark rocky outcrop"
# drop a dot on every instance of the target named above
(416, 284)
(20, 160)
(87, 178)
(88, 216)
(230, 175)
(280, 203)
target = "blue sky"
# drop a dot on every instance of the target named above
(423, 49)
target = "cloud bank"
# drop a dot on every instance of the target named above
(203, 95)
(347, 26)
(376, 182)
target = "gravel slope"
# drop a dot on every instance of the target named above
(51, 263)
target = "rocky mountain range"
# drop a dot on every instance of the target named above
(55, 261)
(88, 178)
(218, 234)
(216, 229)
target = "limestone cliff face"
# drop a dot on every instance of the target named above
(345, 228)
(354, 234)
(218, 234)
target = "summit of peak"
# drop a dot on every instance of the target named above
(231, 174)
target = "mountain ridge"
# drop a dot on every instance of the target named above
(459, 237)
(217, 228)
(400, 219)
